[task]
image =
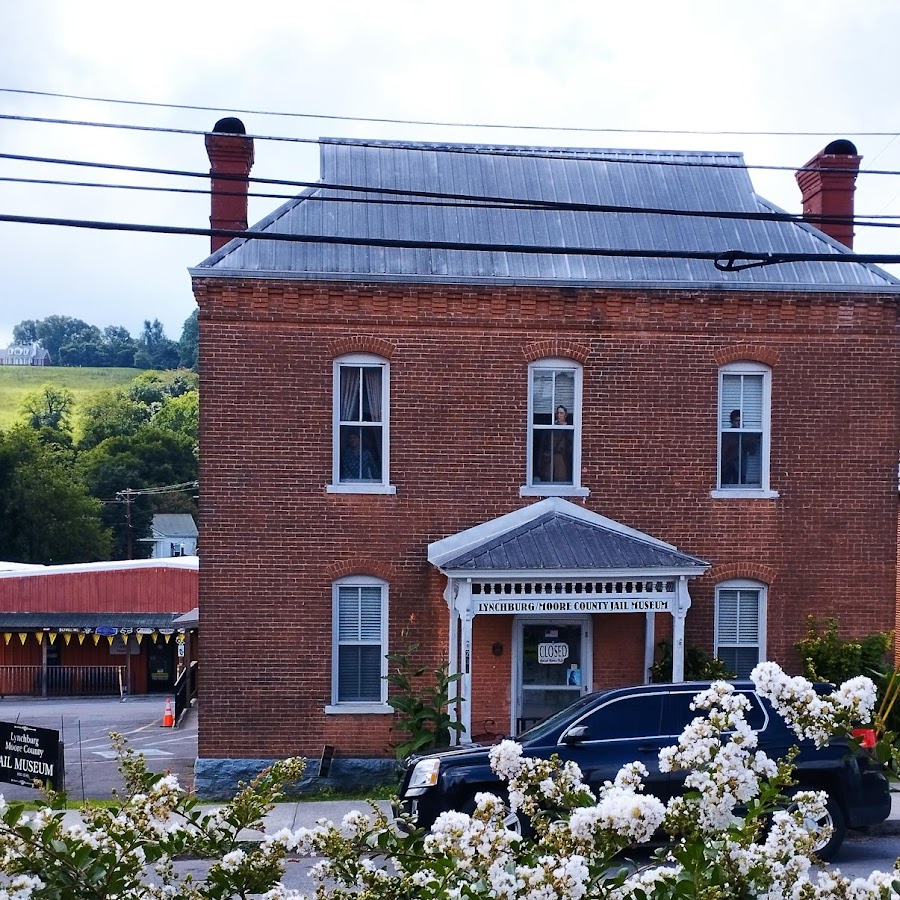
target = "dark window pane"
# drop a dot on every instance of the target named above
(552, 455)
(359, 674)
(739, 660)
(630, 717)
(360, 453)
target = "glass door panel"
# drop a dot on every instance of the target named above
(552, 675)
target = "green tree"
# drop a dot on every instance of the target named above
(180, 414)
(83, 348)
(189, 345)
(119, 346)
(154, 388)
(150, 458)
(46, 513)
(52, 332)
(110, 414)
(155, 350)
(48, 407)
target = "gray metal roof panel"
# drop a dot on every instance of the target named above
(612, 177)
(555, 541)
(174, 525)
(21, 621)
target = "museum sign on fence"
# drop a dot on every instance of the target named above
(29, 754)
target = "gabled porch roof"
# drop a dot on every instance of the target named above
(554, 536)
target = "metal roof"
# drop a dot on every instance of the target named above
(555, 534)
(37, 621)
(174, 525)
(555, 541)
(677, 180)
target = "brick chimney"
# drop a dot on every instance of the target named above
(827, 183)
(230, 154)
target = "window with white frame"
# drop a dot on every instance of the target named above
(740, 625)
(554, 425)
(743, 417)
(360, 430)
(359, 664)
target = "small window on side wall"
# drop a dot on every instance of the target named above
(743, 427)
(740, 625)
(361, 425)
(554, 428)
(359, 647)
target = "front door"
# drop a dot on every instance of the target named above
(160, 668)
(553, 667)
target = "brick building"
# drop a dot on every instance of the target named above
(532, 464)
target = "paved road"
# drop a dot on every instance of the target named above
(84, 726)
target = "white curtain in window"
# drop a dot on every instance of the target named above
(373, 389)
(350, 405)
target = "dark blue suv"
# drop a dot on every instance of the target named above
(604, 730)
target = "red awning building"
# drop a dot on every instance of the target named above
(94, 628)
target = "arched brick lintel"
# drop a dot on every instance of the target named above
(361, 343)
(768, 356)
(556, 347)
(753, 570)
(376, 568)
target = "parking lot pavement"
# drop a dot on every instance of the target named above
(84, 725)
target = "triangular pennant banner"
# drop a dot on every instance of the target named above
(110, 638)
(155, 636)
(7, 635)
(81, 637)
(96, 639)
(52, 636)
(23, 636)
(67, 637)
(139, 637)
(40, 636)
(168, 637)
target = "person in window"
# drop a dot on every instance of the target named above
(741, 461)
(731, 451)
(357, 463)
(556, 450)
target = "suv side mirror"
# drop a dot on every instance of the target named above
(574, 735)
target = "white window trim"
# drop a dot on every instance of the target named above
(530, 489)
(764, 492)
(379, 706)
(744, 584)
(337, 486)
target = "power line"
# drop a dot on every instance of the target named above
(573, 153)
(435, 198)
(725, 260)
(426, 122)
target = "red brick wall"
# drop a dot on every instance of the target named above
(272, 535)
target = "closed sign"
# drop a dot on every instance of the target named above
(552, 654)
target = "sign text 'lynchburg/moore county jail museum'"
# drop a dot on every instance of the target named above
(28, 754)
(504, 607)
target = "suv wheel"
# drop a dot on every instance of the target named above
(513, 821)
(826, 849)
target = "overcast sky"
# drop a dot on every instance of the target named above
(770, 65)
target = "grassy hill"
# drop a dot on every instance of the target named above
(17, 381)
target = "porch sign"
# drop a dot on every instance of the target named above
(505, 607)
(28, 754)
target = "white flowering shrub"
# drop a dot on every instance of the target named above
(732, 836)
(125, 851)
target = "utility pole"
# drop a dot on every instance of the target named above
(127, 495)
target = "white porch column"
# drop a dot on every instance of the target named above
(682, 605)
(453, 658)
(464, 606)
(649, 644)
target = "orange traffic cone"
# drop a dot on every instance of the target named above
(169, 715)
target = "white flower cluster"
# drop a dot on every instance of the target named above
(726, 773)
(811, 715)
